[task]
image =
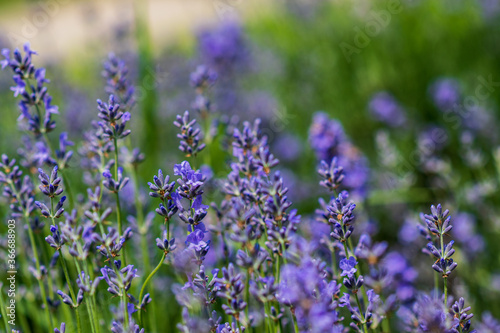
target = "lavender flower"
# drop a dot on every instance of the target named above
(50, 185)
(62, 329)
(462, 318)
(310, 296)
(118, 280)
(231, 288)
(224, 47)
(34, 97)
(67, 299)
(445, 93)
(340, 214)
(55, 241)
(439, 223)
(113, 119)
(190, 143)
(190, 183)
(386, 109)
(165, 244)
(351, 282)
(202, 78)
(332, 175)
(161, 188)
(328, 140)
(113, 185)
(87, 285)
(115, 72)
(62, 155)
(488, 324)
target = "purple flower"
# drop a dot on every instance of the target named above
(36, 98)
(332, 174)
(113, 185)
(427, 315)
(191, 143)
(348, 266)
(445, 93)
(191, 181)
(386, 109)
(115, 72)
(165, 244)
(223, 47)
(438, 222)
(55, 241)
(488, 324)
(288, 147)
(328, 140)
(61, 329)
(463, 231)
(50, 186)
(325, 136)
(161, 187)
(114, 120)
(196, 236)
(203, 77)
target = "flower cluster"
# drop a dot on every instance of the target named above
(230, 249)
(30, 87)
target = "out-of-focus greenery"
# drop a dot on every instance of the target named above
(425, 41)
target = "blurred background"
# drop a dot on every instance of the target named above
(414, 83)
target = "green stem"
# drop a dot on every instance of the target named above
(2, 310)
(117, 196)
(125, 310)
(150, 276)
(267, 310)
(61, 170)
(361, 313)
(334, 258)
(278, 269)
(386, 325)
(118, 213)
(140, 221)
(445, 291)
(94, 310)
(436, 284)
(37, 260)
(295, 323)
(247, 293)
(40, 282)
(87, 305)
(71, 291)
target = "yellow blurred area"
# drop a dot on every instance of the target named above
(61, 28)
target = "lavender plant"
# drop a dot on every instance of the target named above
(232, 252)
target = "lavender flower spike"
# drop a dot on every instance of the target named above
(332, 174)
(190, 143)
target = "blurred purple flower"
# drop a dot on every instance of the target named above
(386, 109)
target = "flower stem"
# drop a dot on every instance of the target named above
(247, 293)
(361, 313)
(2, 310)
(445, 291)
(436, 284)
(150, 276)
(295, 323)
(71, 291)
(61, 170)
(386, 325)
(140, 220)
(87, 304)
(40, 282)
(125, 310)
